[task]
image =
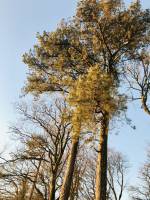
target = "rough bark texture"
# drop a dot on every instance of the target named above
(65, 190)
(101, 170)
(144, 104)
(52, 188)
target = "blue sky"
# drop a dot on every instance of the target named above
(20, 20)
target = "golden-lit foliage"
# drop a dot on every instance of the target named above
(84, 57)
(92, 94)
(34, 145)
(84, 42)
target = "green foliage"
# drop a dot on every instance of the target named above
(84, 57)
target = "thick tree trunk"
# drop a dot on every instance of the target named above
(65, 190)
(52, 188)
(144, 104)
(101, 170)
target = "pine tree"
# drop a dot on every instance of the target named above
(84, 60)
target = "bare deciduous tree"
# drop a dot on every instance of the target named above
(117, 171)
(44, 135)
(142, 191)
(139, 79)
(85, 174)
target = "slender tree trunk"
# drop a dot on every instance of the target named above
(52, 188)
(66, 186)
(35, 179)
(101, 170)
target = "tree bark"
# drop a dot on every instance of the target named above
(101, 169)
(52, 188)
(35, 179)
(66, 186)
(144, 104)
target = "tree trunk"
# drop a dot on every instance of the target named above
(35, 179)
(101, 170)
(144, 104)
(52, 188)
(66, 186)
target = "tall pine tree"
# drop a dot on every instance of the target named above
(84, 60)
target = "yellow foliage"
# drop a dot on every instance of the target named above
(82, 57)
(91, 92)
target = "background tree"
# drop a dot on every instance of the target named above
(85, 175)
(20, 173)
(44, 140)
(142, 191)
(117, 175)
(139, 79)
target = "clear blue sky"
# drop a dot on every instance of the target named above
(19, 22)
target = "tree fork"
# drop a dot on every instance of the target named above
(101, 169)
